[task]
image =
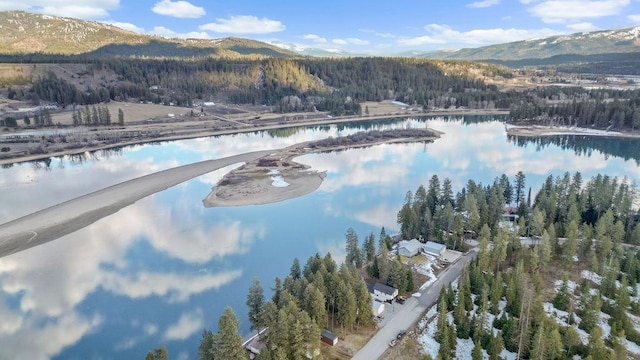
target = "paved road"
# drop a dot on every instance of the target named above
(411, 311)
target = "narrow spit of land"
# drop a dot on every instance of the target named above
(62, 219)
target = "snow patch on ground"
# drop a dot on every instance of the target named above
(571, 285)
(276, 179)
(427, 337)
(508, 355)
(590, 275)
(562, 317)
(464, 347)
(426, 269)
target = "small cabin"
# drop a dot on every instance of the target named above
(382, 292)
(435, 249)
(328, 337)
(409, 248)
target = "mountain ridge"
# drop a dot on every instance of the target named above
(625, 40)
(23, 33)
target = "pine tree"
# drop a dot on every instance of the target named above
(314, 304)
(120, 117)
(228, 342)
(255, 302)
(295, 272)
(476, 353)
(363, 302)
(369, 247)
(354, 257)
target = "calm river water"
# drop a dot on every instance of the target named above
(161, 270)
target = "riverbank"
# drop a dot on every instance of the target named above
(539, 130)
(189, 129)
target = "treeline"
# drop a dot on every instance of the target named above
(335, 85)
(436, 212)
(371, 136)
(571, 225)
(52, 89)
(589, 112)
(95, 116)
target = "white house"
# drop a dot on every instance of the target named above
(409, 248)
(382, 292)
(434, 248)
(378, 308)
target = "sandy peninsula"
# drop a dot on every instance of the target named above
(278, 177)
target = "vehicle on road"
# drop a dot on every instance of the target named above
(401, 334)
(401, 299)
(393, 342)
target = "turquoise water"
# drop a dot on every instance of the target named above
(161, 270)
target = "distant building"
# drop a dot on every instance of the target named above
(208, 103)
(328, 337)
(409, 248)
(252, 343)
(434, 248)
(378, 308)
(382, 292)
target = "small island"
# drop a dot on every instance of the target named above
(277, 177)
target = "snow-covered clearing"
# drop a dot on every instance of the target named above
(590, 275)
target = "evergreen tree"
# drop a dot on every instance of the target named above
(369, 247)
(255, 302)
(295, 272)
(228, 342)
(120, 117)
(354, 257)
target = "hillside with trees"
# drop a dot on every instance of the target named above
(571, 290)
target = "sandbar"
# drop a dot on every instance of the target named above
(62, 219)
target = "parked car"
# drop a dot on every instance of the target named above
(401, 334)
(401, 299)
(393, 342)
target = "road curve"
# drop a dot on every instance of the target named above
(62, 219)
(411, 312)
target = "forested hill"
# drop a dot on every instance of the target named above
(336, 85)
(25, 33)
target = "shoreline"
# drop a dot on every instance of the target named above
(204, 132)
(544, 130)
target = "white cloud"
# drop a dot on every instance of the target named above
(356, 41)
(441, 34)
(379, 34)
(127, 26)
(83, 9)
(187, 325)
(168, 33)
(244, 24)
(582, 27)
(350, 41)
(315, 38)
(177, 288)
(179, 9)
(556, 11)
(634, 18)
(483, 4)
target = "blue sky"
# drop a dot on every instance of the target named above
(372, 26)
